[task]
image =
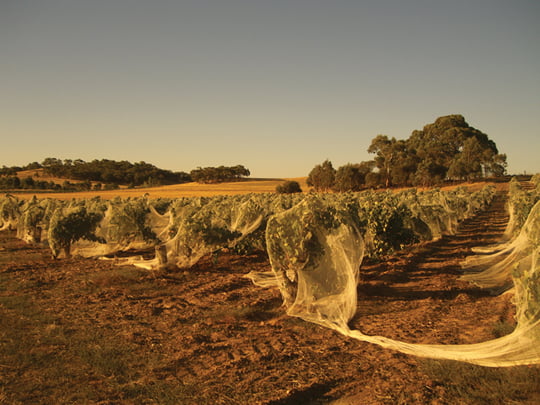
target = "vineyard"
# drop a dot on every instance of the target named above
(313, 256)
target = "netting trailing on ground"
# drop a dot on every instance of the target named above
(520, 203)
(492, 266)
(315, 250)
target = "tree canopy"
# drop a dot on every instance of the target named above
(109, 174)
(447, 149)
(322, 177)
(219, 174)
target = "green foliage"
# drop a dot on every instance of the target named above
(161, 205)
(192, 227)
(470, 384)
(322, 177)
(31, 221)
(219, 174)
(128, 221)
(448, 149)
(68, 227)
(27, 183)
(297, 241)
(520, 202)
(113, 172)
(385, 219)
(349, 178)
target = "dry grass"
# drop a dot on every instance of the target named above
(39, 174)
(173, 191)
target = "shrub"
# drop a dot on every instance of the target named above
(289, 187)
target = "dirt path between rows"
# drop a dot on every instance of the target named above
(88, 331)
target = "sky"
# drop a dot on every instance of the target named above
(278, 86)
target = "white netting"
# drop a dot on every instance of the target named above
(493, 268)
(71, 224)
(202, 226)
(315, 251)
(9, 212)
(315, 245)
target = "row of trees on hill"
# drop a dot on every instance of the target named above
(29, 183)
(11, 182)
(448, 149)
(108, 174)
(113, 172)
(219, 174)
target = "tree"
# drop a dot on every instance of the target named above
(218, 174)
(451, 148)
(385, 151)
(67, 228)
(349, 178)
(467, 164)
(27, 183)
(428, 173)
(497, 166)
(49, 162)
(322, 176)
(32, 166)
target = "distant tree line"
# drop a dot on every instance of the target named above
(219, 174)
(12, 171)
(110, 174)
(11, 182)
(113, 172)
(448, 149)
(29, 183)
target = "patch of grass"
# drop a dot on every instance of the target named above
(58, 357)
(471, 384)
(161, 392)
(106, 357)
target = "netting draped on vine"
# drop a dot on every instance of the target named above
(9, 212)
(205, 225)
(315, 251)
(315, 245)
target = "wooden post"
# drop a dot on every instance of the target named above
(161, 254)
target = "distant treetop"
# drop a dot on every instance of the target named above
(113, 172)
(219, 174)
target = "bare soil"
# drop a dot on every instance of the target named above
(83, 331)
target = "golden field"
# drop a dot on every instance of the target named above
(258, 185)
(173, 191)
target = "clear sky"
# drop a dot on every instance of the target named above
(275, 85)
